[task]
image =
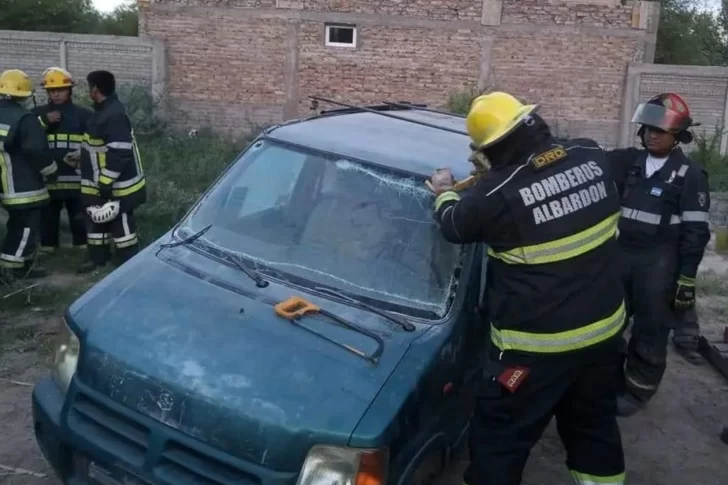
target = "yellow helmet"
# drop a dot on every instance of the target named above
(56, 77)
(495, 115)
(16, 83)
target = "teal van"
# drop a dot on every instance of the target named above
(304, 324)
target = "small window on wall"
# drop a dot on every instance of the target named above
(340, 35)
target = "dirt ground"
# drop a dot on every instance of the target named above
(675, 441)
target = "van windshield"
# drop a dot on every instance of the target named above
(328, 221)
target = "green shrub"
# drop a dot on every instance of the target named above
(459, 101)
(706, 151)
(179, 169)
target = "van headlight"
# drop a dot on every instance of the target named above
(65, 359)
(332, 465)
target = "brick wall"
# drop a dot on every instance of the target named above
(132, 60)
(233, 63)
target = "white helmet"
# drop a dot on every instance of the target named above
(104, 213)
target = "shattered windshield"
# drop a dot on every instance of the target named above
(329, 221)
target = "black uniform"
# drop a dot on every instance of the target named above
(111, 169)
(663, 232)
(64, 137)
(556, 308)
(24, 163)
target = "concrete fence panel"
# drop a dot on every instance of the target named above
(131, 59)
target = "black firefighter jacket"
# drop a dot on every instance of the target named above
(64, 137)
(111, 168)
(549, 218)
(672, 207)
(24, 158)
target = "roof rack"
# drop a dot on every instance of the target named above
(421, 107)
(388, 115)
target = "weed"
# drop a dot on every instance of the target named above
(721, 240)
(711, 283)
(706, 151)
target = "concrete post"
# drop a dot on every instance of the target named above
(63, 53)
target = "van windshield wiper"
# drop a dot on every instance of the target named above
(407, 326)
(188, 239)
(251, 273)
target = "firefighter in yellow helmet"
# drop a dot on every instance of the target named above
(65, 125)
(25, 167)
(547, 210)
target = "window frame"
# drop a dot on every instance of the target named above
(327, 31)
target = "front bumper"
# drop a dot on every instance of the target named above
(89, 439)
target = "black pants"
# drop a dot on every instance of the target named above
(49, 233)
(649, 277)
(21, 240)
(121, 231)
(579, 389)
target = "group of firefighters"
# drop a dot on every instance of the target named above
(61, 155)
(580, 240)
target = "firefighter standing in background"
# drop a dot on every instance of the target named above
(112, 179)
(548, 212)
(663, 232)
(65, 124)
(25, 167)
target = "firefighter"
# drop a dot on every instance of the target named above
(25, 167)
(547, 210)
(112, 180)
(65, 124)
(663, 231)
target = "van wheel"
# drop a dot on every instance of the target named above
(429, 469)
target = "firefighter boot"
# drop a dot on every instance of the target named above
(686, 336)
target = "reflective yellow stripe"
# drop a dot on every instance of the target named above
(3, 132)
(564, 248)
(64, 186)
(52, 168)
(126, 244)
(92, 141)
(103, 179)
(62, 136)
(102, 160)
(42, 123)
(26, 200)
(445, 197)
(561, 341)
(586, 479)
(687, 281)
(78, 138)
(10, 264)
(129, 190)
(51, 137)
(4, 174)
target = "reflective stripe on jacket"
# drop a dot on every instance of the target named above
(550, 220)
(671, 207)
(110, 157)
(64, 137)
(24, 158)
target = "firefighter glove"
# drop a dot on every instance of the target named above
(685, 294)
(442, 181)
(105, 191)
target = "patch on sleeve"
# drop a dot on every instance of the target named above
(547, 158)
(702, 199)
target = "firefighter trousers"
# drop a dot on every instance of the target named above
(121, 232)
(649, 277)
(578, 389)
(50, 227)
(21, 239)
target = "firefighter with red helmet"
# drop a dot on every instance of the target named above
(663, 231)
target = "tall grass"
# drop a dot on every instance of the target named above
(706, 151)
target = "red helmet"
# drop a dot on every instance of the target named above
(666, 111)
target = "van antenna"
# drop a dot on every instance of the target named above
(422, 108)
(380, 113)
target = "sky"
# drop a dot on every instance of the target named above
(107, 5)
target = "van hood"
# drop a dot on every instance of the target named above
(220, 366)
